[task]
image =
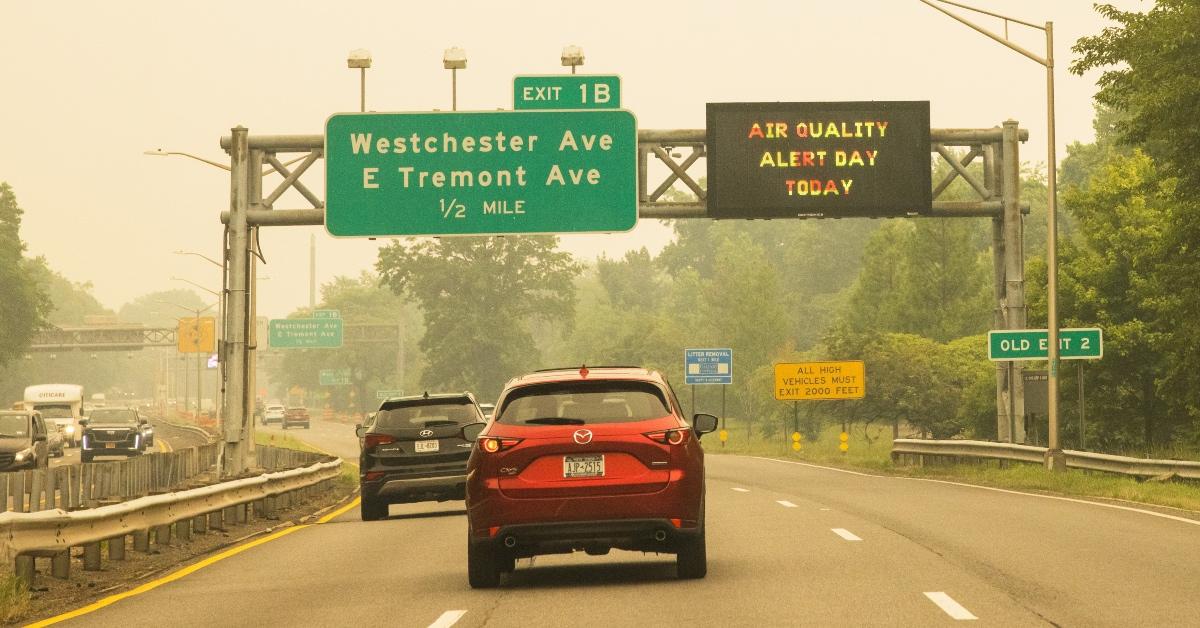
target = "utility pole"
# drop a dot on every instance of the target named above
(312, 272)
(233, 428)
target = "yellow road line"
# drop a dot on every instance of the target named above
(163, 446)
(171, 577)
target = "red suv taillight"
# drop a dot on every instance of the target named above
(493, 445)
(676, 436)
(371, 440)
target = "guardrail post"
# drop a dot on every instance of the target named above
(5, 480)
(216, 520)
(242, 512)
(116, 548)
(24, 569)
(267, 508)
(91, 557)
(183, 530)
(141, 540)
(60, 565)
(200, 524)
(162, 534)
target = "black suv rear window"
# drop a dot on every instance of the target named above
(584, 402)
(427, 413)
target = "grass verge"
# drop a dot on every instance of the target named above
(870, 450)
(349, 473)
(14, 599)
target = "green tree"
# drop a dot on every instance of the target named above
(480, 297)
(24, 306)
(1151, 75)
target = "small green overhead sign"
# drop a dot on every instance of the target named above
(1034, 344)
(567, 91)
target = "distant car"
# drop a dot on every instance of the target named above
(23, 440)
(112, 431)
(147, 434)
(296, 417)
(61, 433)
(586, 459)
(273, 414)
(416, 450)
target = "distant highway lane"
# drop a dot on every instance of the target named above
(788, 544)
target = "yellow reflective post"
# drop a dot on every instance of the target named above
(797, 441)
(845, 444)
(724, 435)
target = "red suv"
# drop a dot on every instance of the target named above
(586, 459)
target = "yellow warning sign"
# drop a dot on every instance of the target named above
(820, 380)
(197, 335)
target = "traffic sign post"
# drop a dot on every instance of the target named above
(820, 380)
(335, 377)
(708, 366)
(305, 333)
(567, 91)
(1033, 344)
(480, 173)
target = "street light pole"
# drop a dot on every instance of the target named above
(454, 59)
(1055, 459)
(360, 59)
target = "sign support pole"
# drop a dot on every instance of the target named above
(723, 387)
(1082, 431)
(233, 462)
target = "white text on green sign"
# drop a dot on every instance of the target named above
(567, 91)
(305, 333)
(480, 173)
(1034, 344)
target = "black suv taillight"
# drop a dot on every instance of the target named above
(371, 440)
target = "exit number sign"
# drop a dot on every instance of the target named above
(1034, 344)
(567, 91)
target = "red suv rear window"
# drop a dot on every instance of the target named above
(583, 402)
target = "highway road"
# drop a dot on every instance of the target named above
(788, 544)
(166, 438)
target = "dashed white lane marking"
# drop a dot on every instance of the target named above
(826, 509)
(846, 534)
(741, 490)
(449, 618)
(947, 604)
(785, 504)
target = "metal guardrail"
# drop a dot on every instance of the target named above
(24, 536)
(1140, 467)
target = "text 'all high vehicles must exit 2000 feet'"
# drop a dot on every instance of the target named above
(476, 173)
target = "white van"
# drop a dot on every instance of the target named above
(61, 405)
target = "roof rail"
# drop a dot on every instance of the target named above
(599, 366)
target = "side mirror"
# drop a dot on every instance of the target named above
(472, 431)
(142, 421)
(360, 431)
(704, 423)
(39, 438)
(83, 422)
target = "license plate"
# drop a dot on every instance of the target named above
(583, 466)
(423, 446)
(110, 445)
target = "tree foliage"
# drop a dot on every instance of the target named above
(480, 297)
(23, 306)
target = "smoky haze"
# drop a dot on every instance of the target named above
(89, 87)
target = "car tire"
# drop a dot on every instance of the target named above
(372, 509)
(483, 566)
(691, 562)
(507, 563)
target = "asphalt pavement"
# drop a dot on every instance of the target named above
(788, 544)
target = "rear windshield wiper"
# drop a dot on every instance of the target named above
(557, 420)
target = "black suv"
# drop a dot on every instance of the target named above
(416, 450)
(112, 432)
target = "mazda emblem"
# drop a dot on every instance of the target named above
(582, 437)
(426, 433)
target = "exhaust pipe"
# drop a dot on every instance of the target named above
(510, 542)
(660, 535)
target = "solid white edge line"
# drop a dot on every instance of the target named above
(845, 534)
(785, 503)
(949, 606)
(1152, 513)
(449, 618)
(741, 490)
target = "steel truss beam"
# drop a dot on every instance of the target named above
(652, 144)
(108, 338)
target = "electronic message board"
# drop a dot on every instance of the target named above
(818, 160)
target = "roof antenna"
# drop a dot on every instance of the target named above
(426, 395)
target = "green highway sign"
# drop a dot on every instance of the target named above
(335, 377)
(388, 394)
(567, 91)
(305, 333)
(480, 173)
(327, 314)
(1033, 344)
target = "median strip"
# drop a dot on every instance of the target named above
(949, 606)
